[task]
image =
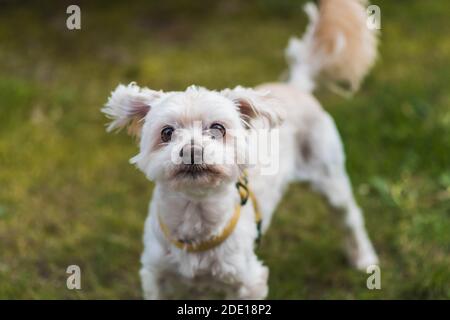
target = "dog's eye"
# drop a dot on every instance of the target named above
(166, 134)
(217, 131)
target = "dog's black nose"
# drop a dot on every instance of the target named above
(191, 154)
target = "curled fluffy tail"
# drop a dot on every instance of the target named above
(337, 47)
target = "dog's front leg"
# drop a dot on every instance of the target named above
(150, 285)
(252, 281)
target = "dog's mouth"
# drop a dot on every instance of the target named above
(196, 171)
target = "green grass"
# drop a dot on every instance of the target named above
(69, 196)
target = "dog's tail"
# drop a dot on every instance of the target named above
(337, 48)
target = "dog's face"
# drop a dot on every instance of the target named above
(191, 140)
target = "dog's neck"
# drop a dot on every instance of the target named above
(196, 216)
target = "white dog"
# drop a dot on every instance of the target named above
(200, 232)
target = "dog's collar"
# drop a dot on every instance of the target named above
(244, 193)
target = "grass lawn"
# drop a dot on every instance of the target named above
(69, 196)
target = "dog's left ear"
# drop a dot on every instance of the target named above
(127, 107)
(254, 104)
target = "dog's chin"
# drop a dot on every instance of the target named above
(199, 176)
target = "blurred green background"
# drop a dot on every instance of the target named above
(69, 196)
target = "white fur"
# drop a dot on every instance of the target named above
(199, 208)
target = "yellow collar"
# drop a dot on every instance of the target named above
(244, 193)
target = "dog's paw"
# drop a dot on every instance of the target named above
(360, 254)
(363, 261)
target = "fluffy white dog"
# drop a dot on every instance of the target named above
(200, 232)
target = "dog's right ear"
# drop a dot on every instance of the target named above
(127, 107)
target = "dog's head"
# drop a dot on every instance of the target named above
(190, 140)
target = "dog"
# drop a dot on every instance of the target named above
(206, 214)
